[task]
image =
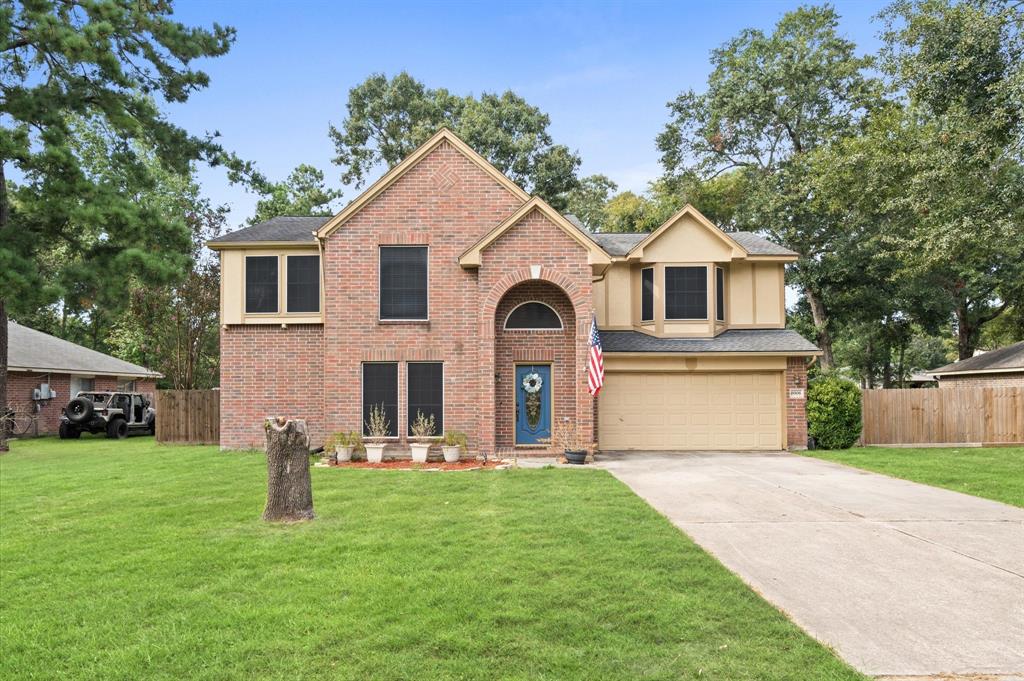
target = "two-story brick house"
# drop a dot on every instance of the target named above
(445, 288)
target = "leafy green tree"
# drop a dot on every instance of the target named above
(304, 192)
(587, 201)
(387, 119)
(773, 99)
(952, 155)
(107, 60)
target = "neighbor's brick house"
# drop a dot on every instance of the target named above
(37, 361)
(999, 368)
(445, 288)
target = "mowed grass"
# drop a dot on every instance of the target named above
(130, 560)
(990, 472)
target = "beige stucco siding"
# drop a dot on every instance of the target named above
(690, 241)
(232, 299)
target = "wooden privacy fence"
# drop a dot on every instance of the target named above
(944, 416)
(188, 416)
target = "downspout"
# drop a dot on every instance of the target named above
(323, 281)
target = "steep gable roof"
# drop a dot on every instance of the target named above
(31, 350)
(688, 210)
(596, 255)
(393, 175)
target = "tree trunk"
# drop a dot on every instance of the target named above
(289, 489)
(965, 334)
(824, 337)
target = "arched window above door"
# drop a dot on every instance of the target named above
(533, 315)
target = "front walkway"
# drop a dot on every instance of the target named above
(901, 579)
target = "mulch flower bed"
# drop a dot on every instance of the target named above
(407, 465)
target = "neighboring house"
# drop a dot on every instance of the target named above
(920, 379)
(447, 289)
(44, 372)
(1003, 367)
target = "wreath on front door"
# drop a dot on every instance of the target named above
(531, 386)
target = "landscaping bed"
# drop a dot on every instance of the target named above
(409, 465)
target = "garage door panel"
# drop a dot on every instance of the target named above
(690, 411)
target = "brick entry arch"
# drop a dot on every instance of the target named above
(568, 349)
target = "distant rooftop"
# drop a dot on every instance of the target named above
(31, 350)
(1009, 358)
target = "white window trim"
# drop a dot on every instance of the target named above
(561, 324)
(654, 283)
(245, 280)
(664, 295)
(284, 278)
(444, 405)
(398, 395)
(722, 292)
(380, 273)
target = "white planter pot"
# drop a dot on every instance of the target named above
(374, 452)
(344, 453)
(419, 451)
(451, 454)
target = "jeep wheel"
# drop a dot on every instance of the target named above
(79, 410)
(68, 432)
(117, 429)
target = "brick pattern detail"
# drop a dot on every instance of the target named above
(415, 210)
(269, 371)
(1003, 380)
(796, 411)
(554, 347)
(20, 385)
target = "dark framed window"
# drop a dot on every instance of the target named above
(403, 282)
(380, 389)
(720, 294)
(686, 292)
(303, 283)
(261, 283)
(647, 294)
(425, 393)
(533, 315)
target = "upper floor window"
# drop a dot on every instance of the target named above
(403, 282)
(533, 315)
(261, 283)
(720, 294)
(647, 294)
(686, 292)
(303, 283)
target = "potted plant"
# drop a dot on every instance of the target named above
(422, 433)
(452, 444)
(377, 430)
(569, 439)
(341, 443)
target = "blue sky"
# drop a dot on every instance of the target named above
(603, 71)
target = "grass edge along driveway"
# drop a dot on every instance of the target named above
(127, 560)
(995, 473)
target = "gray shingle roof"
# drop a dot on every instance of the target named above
(301, 228)
(734, 340)
(38, 351)
(1002, 359)
(281, 228)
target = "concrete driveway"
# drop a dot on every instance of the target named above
(901, 579)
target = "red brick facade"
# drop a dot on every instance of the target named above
(20, 385)
(996, 380)
(448, 203)
(796, 407)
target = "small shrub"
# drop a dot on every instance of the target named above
(455, 438)
(378, 425)
(423, 427)
(833, 412)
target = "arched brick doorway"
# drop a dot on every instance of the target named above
(550, 350)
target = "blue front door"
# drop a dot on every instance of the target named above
(533, 403)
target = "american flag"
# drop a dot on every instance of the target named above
(595, 362)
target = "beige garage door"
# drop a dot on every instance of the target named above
(690, 411)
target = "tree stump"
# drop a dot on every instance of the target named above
(289, 489)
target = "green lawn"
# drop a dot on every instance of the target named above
(990, 472)
(128, 560)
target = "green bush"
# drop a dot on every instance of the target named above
(833, 412)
